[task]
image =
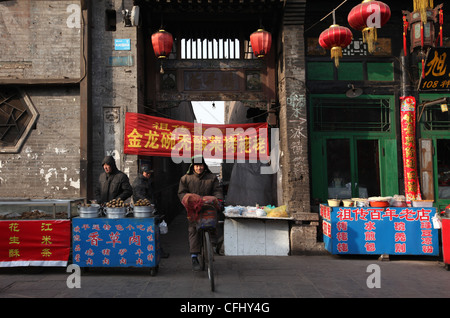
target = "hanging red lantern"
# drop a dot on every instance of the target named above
(261, 41)
(162, 43)
(335, 38)
(367, 17)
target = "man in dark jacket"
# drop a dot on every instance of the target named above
(142, 188)
(113, 183)
(198, 180)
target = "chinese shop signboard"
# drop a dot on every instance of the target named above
(34, 243)
(124, 242)
(436, 73)
(154, 136)
(393, 231)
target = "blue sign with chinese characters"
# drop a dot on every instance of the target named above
(124, 242)
(393, 231)
(122, 44)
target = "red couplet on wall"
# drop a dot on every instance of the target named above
(408, 128)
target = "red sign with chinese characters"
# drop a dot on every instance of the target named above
(408, 129)
(155, 136)
(34, 242)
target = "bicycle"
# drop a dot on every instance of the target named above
(206, 226)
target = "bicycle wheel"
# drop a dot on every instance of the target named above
(209, 258)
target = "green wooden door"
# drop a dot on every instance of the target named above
(353, 166)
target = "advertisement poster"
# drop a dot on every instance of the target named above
(34, 243)
(123, 242)
(155, 136)
(393, 231)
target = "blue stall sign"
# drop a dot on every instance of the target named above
(122, 44)
(124, 242)
(393, 231)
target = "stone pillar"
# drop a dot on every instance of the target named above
(293, 121)
(294, 142)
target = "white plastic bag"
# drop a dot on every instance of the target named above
(163, 228)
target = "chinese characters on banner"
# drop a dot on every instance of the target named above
(125, 242)
(34, 243)
(436, 74)
(401, 231)
(408, 128)
(155, 136)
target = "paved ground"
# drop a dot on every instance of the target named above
(238, 277)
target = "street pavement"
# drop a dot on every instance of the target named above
(262, 278)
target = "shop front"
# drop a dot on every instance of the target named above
(353, 148)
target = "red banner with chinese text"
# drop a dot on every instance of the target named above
(408, 129)
(155, 136)
(34, 242)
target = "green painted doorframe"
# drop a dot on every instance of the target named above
(387, 154)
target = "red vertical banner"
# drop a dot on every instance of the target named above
(408, 129)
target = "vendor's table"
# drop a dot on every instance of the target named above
(34, 242)
(391, 231)
(256, 235)
(121, 242)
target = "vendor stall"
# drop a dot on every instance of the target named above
(379, 230)
(116, 242)
(253, 233)
(35, 232)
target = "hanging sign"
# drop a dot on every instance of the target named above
(408, 129)
(34, 243)
(436, 73)
(155, 136)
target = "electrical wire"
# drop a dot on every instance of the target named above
(331, 12)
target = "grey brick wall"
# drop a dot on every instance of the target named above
(40, 40)
(114, 88)
(48, 164)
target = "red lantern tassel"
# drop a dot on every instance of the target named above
(441, 22)
(423, 68)
(405, 30)
(421, 34)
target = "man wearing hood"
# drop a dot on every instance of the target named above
(198, 181)
(113, 183)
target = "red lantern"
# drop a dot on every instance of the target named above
(335, 38)
(367, 17)
(162, 43)
(261, 42)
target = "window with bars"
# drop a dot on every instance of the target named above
(334, 114)
(434, 118)
(214, 49)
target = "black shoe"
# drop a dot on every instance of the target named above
(195, 264)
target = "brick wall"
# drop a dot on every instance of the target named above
(114, 87)
(40, 40)
(48, 164)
